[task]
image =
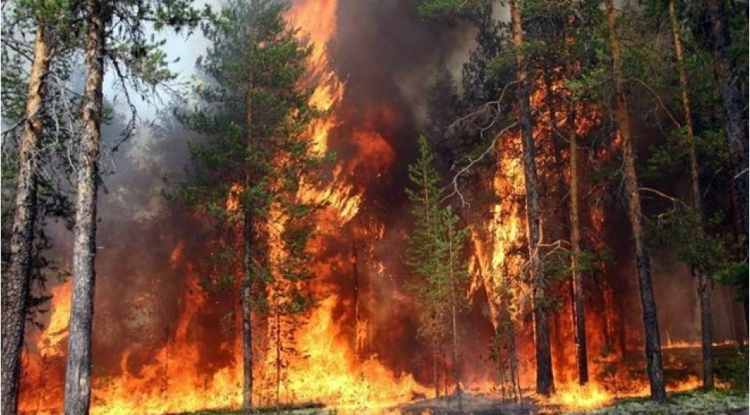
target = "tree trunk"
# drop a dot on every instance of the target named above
(278, 352)
(734, 104)
(247, 240)
(515, 378)
(579, 315)
(456, 368)
(544, 380)
(78, 369)
(704, 284)
(15, 284)
(654, 364)
(454, 324)
(247, 333)
(435, 366)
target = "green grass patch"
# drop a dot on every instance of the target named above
(698, 402)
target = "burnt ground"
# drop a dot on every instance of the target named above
(475, 404)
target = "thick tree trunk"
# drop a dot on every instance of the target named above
(705, 286)
(579, 315)
(544, 380)
(654, 365)
(735, 105)
(78, 369)
(15, 284)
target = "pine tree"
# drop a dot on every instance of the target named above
(34, 197)
(654, 362)
(734, 103)
(705, 287)
(435, 251)
(544, 378)
(141, 64)
(254, 114)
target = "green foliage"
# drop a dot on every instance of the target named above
(448, 10)
(676, 229)
(253, 159)
(435, 249)
(713, 402)
(53, 161)
(736, 275)
(734, 371)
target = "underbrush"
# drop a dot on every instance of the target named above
(699, 402)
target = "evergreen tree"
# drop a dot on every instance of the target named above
(254, 114)
(115, 32)
(435, 251)
(734, 101)
(654, 362)
(29, 184)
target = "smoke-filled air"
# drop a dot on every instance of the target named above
(374, 206)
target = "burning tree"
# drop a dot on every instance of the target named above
(247, 175)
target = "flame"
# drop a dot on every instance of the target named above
(51, 339)
(331, 364)
(576, 397)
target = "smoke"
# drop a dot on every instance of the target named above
(150, 246)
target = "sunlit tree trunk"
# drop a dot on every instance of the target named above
(654, 365)
(705, 286)
(78, 369)
(735, 105)
(15, 284)
(544, 380)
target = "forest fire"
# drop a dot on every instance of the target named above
(357, 347)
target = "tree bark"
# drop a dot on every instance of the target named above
(654, 365)
(15, 284)
(705, 286)
(435, 361)
(78, 369)
(579, 315)
(544, 379)
(454, 324)
(247, 239)
(734, 104)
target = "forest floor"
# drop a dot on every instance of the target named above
(698, 402)
(715, 402)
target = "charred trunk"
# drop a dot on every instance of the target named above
(544, 380)
(78, 369)
(579, 315)
(15, 284)
(654, 365)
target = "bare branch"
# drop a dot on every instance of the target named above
(463, 170)
(659, 100)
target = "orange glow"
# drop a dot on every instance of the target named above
(233, 198)
(332, 362)
(576, 397)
